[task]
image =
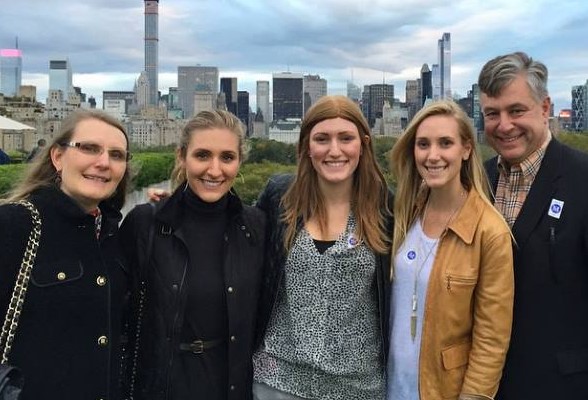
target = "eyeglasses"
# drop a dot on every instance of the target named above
(94, 149)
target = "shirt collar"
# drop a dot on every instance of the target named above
(530, 165)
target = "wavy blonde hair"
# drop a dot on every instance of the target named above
(411, 194)
(369, 197)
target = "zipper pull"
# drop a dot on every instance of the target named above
(449, 283)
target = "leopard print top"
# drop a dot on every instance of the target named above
(323, 339)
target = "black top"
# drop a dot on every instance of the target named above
(203, 376)
(323, 245)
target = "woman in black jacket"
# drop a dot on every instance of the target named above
(202, 270)
(68, 338)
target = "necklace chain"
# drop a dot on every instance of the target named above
(413, 314)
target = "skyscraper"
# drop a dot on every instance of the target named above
(413, 103)
(580, 108)
(426, 84)
(373, 99)
(353, 92)
(196, 80)
(288, 95)
(444, 48)
(60, 77)
(228, 86)
(151, 45)
(315, 87)
(262, 100)
(10, 71)
(243, 108)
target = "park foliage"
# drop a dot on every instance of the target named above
(265, 158)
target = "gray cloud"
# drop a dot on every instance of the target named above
(377, 39)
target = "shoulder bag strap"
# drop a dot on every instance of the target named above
(22, 282)
(141, 302)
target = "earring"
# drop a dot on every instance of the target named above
(57, 177)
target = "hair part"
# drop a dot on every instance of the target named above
(204, 120)
(42, 172)
(502, 70)
(411, 193)
(369, 197)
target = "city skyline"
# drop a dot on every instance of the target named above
(339, 40)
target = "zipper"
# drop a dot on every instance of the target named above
(459, 281)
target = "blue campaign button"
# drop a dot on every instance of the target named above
(411, 255)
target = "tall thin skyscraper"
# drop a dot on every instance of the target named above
(10, 71)
(444, 48)
(262, 100)
(151, 45)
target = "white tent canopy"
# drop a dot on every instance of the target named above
(7, 124)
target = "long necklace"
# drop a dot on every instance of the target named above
(413, 314)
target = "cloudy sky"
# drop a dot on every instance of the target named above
(365, 40)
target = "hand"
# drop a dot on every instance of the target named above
(156, 195)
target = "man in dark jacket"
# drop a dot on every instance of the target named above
(541, 191)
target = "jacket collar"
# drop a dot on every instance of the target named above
(53, 198)
(466, 222)
(171, 211)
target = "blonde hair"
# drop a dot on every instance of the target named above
(217, 119)
(410, 193)
(369, 197)
(42, 172)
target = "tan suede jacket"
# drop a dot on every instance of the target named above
(468, 311)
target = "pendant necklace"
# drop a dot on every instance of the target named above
(413, 314)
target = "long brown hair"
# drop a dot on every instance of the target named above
(369, 196)
(410, 193)
(42, 172)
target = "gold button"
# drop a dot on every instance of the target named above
(61, 276)
(230, 289)
(101, 280)
(102, 341)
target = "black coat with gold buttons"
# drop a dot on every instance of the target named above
(68, 338)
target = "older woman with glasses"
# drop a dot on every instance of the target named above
(67, 342)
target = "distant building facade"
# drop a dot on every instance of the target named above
(373, 98)
(579, 108)
(288, 95)
(426, 84)
(228, 86)
(315, 87)
(193, 80)
(262, 100)
(60, 77)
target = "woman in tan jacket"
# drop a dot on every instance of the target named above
(452, 285)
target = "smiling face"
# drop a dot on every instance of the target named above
(86, 178)
(439, 152)
(515, 122)
(334, 149)
(212, 162)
